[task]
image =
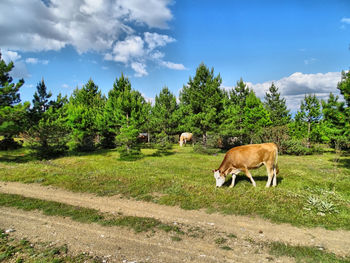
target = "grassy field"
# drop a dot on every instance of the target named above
(311, 191)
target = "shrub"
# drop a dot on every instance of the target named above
(10, 144)
(295, 147)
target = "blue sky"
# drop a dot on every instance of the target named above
(300, 45)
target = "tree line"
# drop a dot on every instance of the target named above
(87, 119)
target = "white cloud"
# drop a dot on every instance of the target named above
(155, 40)
(131, 47)
(345, 20)
(154, 13)
(85, 24)
(9, 56)
(36, 61)
(294, 87)
(172, 65)
(139, 68)
(114, 28)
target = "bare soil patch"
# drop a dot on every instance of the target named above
(118, 244)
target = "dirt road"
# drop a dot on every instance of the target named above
(118, 244)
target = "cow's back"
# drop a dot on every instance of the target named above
(250, 156)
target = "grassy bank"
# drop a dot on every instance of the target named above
(312, 190)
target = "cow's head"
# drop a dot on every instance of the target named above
(220, 179)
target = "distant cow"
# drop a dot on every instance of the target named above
(185, 137)
(242, 158)
(142, 137)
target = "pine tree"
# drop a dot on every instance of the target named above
(333, 121)
(201, 102)
(232, 126)
(49, 136)
(124, 107)
(84, 113)
(40, 101)
(309, 114)
(164, 113)
(276, 106)
(9, 92)
(256, 117)
(13, 116)
(344, 88)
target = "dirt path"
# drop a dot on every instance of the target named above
(142, 247)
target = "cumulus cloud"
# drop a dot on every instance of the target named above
(139, 68)
(105, 26)
(131, 47)
(155, 40)
(294, 87)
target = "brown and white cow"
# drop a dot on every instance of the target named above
(185, 137)
(243, 158)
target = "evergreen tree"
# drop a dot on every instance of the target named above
(344, 88)
(309, 114)
(333, 121)
(84, 113)
(201, 102)
(13, 116)
(9, 92)
(49, 136)
(234, 114)
(276, 106)
(255, 118)
(164, 118)
(40, 101)
(124, 107)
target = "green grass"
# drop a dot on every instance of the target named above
(84, 215)
(305, 254)
(311, 191)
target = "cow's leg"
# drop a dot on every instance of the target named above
(269, 174)
(247, 173)
(234, 174)
(233, 180)
(274, 177)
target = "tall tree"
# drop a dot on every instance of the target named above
(234, 113)
(256, 117)
(164, 118)
(309, 114)
(41, 102)
(344, 88)
(49, 136)
(276, 106)
(13, 116)
(84, 113)
(123, 108)
(333, 121)
(9, 92)
(201, 102)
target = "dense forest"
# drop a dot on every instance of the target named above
(88, 119)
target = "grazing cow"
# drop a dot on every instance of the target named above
(242, 158)
(185, 137)
(142, 137)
